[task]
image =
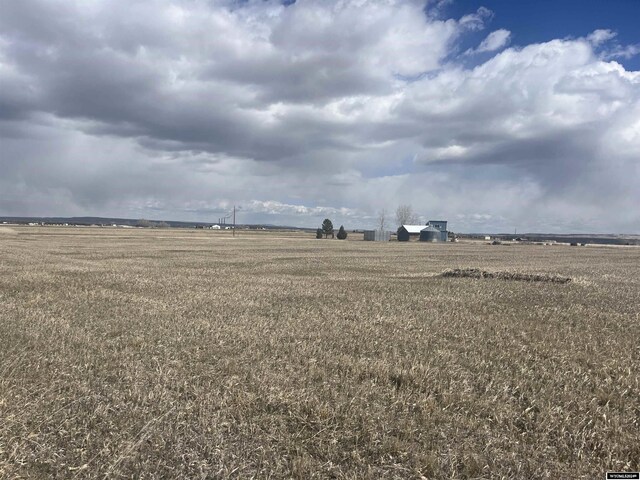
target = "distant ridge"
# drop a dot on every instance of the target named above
(594, 238)
(106, 221)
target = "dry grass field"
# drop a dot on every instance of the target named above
(190, 354)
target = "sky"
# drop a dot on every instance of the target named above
(494, 115)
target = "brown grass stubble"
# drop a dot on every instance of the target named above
(167, 353)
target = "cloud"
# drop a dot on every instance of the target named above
(476, 21)
(598, 37)
(180, 110)
(626, 51)
(495, 41)
(278, 208)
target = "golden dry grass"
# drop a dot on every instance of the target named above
(189, 354)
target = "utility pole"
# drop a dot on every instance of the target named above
(234, 220)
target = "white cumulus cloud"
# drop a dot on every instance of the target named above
(160, 109)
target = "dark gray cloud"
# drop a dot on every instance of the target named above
(180, 109)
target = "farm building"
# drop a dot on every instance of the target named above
(407, 232)
(440, 226)
(377, 235)
(430, 234)
(434, 231)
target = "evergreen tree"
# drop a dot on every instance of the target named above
(319, 233)
(327, 228)
(342, 234)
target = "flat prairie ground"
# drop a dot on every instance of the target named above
(128, 353)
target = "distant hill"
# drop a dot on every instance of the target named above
(593, 238)
(88, 221)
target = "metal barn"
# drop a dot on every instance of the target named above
(377, 236)
(407, 232)
(434, 231)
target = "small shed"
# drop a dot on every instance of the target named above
(408, 232)
(377, 235)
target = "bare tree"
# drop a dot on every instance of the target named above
(382, 220)
(405, 215)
